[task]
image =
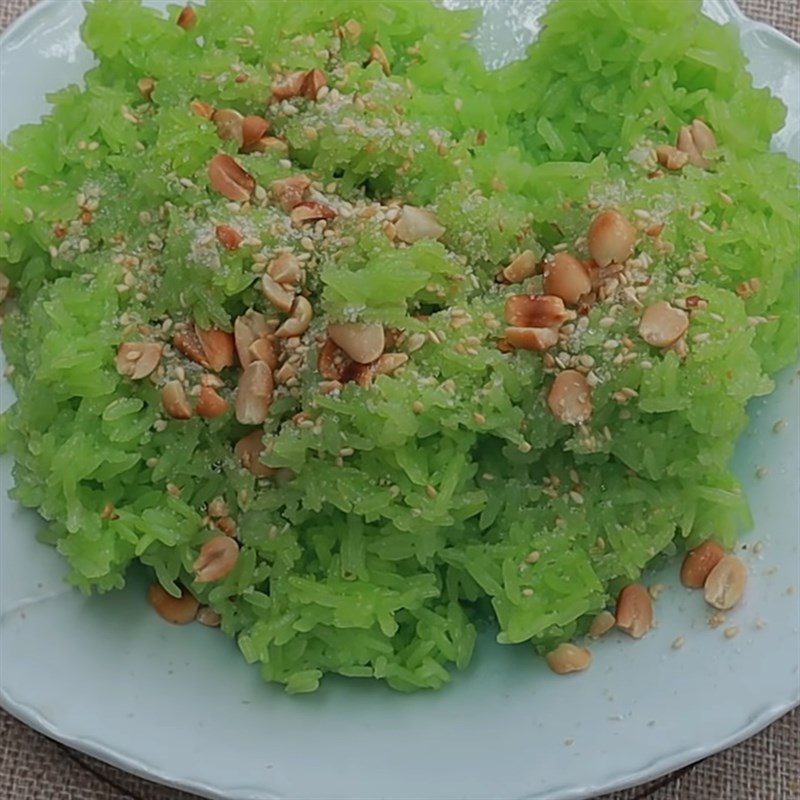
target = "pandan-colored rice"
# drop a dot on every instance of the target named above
(399, 515)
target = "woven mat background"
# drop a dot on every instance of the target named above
(766, 767)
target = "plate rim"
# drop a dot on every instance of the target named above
(27, 714)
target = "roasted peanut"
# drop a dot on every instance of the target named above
(726, 583)
(285, 269)
(363, 342)
(267, 144)
(187, 19)
(210, 404)
(229, 178)
(289, 86)
(248, 450)
(537, 339)
(202, 109)
(207, 616)
(229, 125)
(634, 610)
(536, 311)
(699, 562)
(312, 82)
(247, 329)
(254, 394)
(217, 559)
(291, 191)
(671, 157)
(264, 349)
(602, 624)
(567, 278)
(137, 360)
(568, 658)
(228, 237)
(177, 610)
(611, 238)
(378, 56)
(570, 398)
(662, 325)
(309, 211)
(695, 140)
(522, 267)
(389, 363)
(253, 130)
(279, 297)
(297, 324)
(417, 223)
(217, 347)
(174, 400)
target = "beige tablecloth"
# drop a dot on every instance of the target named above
(766, 767)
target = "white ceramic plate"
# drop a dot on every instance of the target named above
(179, 705)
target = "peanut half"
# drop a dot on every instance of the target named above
(248, 450)
(417, 223)
(662, 325)
(310, 211)
(254, 394)
(137, 360)
(634, 610)
(210, 404)
(177, 610)
(229, 125)
(297, 324)
(291, 191)
(217, 347)
(568, 658)
(230, 179)
(286, 268)
(602, 624)
(537, 339)
(228, 237)
(699, 562)
(521, 268)
(363, 342)
(187, 19)
(671, 157)
(566, 278)
(695, 140)
(217, 559)
(570, 398)
(726, 583)
(247, 329)
(174, 400)
(276, 294)
(536, 311)
(611, 238)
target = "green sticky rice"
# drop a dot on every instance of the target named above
(412, 506)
